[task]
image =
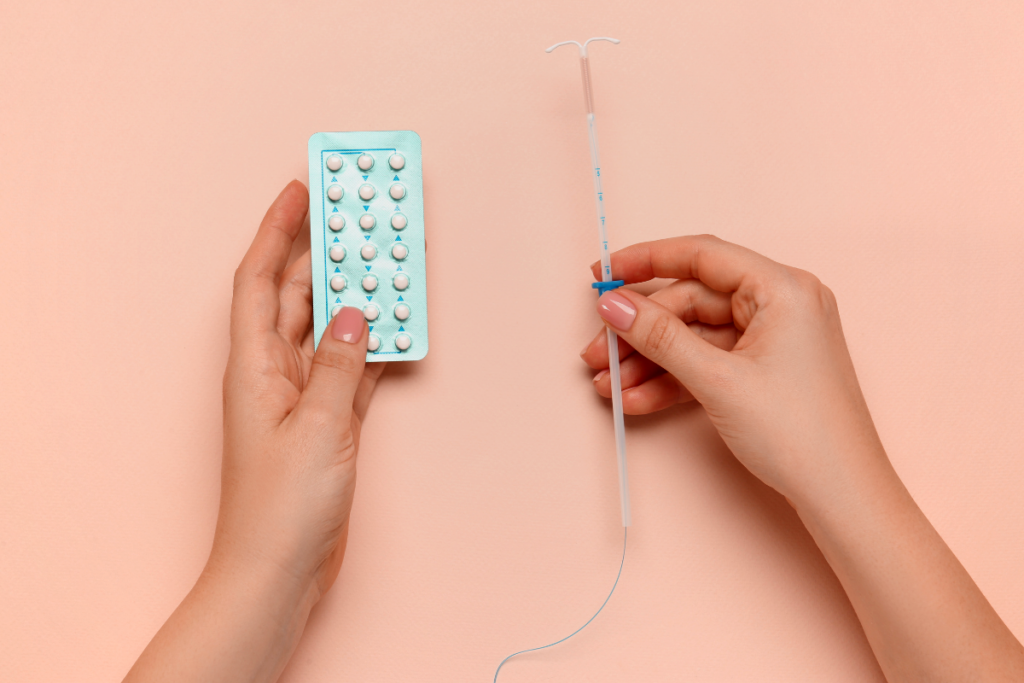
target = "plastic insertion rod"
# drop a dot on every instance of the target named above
(606, 274)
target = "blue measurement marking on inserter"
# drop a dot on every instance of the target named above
(367, 237)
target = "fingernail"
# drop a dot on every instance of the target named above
(600, 375)
(585, 348)
(616, 310)
(348, 325)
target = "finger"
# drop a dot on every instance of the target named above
(635, 369)
(659, 335)
(721, 265)
(337, 369)
(296, 297)
(653, 395)
(690, 300)
(255, 303)
(366, 386)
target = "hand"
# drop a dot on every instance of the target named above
(291, 434)
(760, 346)
(291, 418)
(757, 343)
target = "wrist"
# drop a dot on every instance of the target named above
(851, 501)
(281, 592)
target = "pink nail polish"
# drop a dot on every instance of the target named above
(347, 326)
(616, 310)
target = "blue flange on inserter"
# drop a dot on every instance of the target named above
(603, 287)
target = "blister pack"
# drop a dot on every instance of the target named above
(366, 237)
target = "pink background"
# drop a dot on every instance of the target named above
(879, 145)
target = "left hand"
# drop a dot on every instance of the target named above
(291, 417)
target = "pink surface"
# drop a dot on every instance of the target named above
(880, 146)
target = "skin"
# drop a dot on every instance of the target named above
(761, 347)
(291, 434)
(757, 343)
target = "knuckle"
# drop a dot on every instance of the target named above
(660, 337)
(335, 361)
(318, 419)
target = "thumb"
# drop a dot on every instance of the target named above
(338, 364)
(658, 334)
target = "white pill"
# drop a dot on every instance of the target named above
(368, 251)
(373, 343)
(336, 222)
(366, 192)
(365, 162)
(399, 251)
(335, 193)
(403, 342)
(369, 283)
(371, 312)
(334, 162)
(366, 221)
(338, 283)
(334, 311)
(397, 191)
(337, 253)
(399, 221)
(396, 161)
(402, 312)
(401, 281)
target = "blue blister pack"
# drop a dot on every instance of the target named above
(366, 237)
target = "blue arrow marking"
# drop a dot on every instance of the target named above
(334, 179)
(335, 240)
(399, 267)
(401, 328)
(396, 207)
(400, 298)
(367, 269)
(335, 210)
(366, 207)
(365, 177)
(398, 239)
(369, 298)
(371, 328)
(337, 270)
(396, 177)
(338, 300)
(367, 237)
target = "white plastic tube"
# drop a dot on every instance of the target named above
(606, 276)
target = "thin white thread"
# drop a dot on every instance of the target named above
(625, 533)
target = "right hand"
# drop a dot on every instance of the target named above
(758, 344)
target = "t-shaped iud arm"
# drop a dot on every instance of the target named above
(584, 66)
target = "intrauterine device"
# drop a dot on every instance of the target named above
(366, 237)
